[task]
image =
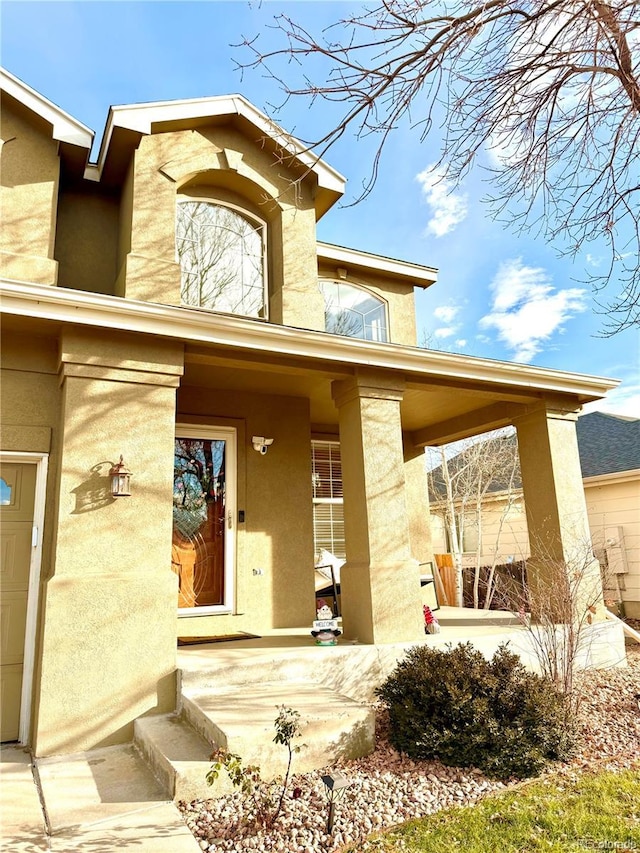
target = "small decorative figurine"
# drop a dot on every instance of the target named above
(431, 625)
(325, 627)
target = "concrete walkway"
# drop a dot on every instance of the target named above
(94, 802)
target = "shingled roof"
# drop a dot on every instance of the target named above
(608, 444)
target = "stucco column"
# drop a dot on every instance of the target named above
(559, 536)
(415, 475)
(380, 582)
(108, 625)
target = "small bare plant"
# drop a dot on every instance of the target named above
(263, 801)
(561, 600)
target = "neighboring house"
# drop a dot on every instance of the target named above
(609, 447)
(170, 304)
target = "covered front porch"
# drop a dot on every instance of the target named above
(123, 376)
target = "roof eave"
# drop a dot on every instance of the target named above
(141, 118)
(65, 128)
(193, 325)
(418, 275)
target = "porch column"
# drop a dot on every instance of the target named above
(380, 581)
(108, 625)
(559, 537)
(415, 475)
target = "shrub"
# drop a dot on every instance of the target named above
(495, 715)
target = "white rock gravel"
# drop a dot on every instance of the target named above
(388, 789)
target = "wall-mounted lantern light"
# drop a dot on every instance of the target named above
(336, 784)
(120, 480)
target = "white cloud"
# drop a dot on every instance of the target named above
(446, 313)
(445, 331)
(623, 400)
(527, 309)
(461, 342)
(448, 208)
(504, 147)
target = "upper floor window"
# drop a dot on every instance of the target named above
(221, 255)
(353, 312)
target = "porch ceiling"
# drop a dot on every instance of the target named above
(434, 410)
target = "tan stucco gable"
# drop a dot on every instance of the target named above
(64, 128)
(36, 136)
(126, 125)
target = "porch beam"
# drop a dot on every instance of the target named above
(495, 416)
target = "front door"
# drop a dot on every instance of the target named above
(204, 519)
(17, 498)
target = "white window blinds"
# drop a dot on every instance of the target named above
(328, 512)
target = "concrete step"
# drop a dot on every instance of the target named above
(108, 799)
(242, 721)
(178, 756)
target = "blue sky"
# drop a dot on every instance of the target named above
(498, 296)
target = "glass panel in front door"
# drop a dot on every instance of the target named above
(199, 521)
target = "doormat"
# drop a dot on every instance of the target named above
(196, 641)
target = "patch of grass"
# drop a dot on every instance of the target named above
(594, 812)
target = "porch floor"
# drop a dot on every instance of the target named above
(353, 669)
(457, 624)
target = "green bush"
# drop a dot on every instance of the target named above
(495, 715)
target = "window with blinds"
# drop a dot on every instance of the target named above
(328, 511)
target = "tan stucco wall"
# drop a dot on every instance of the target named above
(124, 230)
(274, 491)
(398, 298)
(30, 407)
(556, 510)
(108, 633)
(29, 173)
(86, 239)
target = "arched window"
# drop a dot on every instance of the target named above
(353, 311)
(221, 255)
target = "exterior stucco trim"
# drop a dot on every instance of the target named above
(142, 117)
(415, 274)
(193, 325)
(65, 127)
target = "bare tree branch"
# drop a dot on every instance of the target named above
(549, 88)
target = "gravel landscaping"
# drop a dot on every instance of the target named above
(387, 789)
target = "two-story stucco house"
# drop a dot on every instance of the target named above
(170, 304)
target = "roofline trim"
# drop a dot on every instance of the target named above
(612, 476)
(194, 325)
(417, 273)
(65, 127)
(141, 117)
